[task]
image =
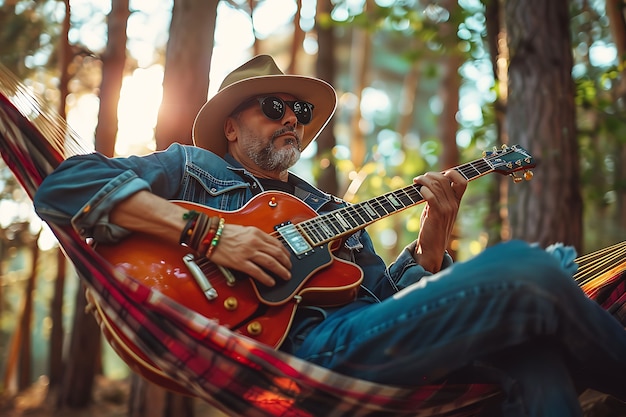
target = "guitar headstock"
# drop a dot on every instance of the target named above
(510, 160)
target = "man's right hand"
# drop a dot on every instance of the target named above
(252, 251)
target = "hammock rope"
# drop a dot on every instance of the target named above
(233, 373)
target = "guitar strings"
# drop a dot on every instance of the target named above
(599, 267)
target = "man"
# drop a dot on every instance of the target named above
(512, 315)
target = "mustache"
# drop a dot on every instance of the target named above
(288, 129)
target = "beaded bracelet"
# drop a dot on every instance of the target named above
(216, 238)
(191, 217)
(201, 233)
(208, 237)
(199, 230)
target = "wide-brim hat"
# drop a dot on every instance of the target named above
(257, 77)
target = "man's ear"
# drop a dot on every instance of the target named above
(230, 129)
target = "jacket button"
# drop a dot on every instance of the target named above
(213, 190)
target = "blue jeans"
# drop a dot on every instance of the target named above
(512, 308)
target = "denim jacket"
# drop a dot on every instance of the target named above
(83, 190)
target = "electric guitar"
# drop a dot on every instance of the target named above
(318, 276)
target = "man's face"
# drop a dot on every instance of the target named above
(272, 145)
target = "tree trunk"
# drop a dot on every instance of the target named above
(449, 87)
(187, 65)
(83, 358)
(298, 39)
(113, 62)
(25, 324)
(541, 117)
(326, 70)
(360, 64)
(617, 23)
(497, 221)
(55, 356)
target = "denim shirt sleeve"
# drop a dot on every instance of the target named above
(84, 188)
(379, 281)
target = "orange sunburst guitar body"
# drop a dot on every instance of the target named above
(242, 304)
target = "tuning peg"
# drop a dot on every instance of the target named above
(516, 179)
(528, 175)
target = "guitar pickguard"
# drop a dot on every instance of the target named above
(303, 267)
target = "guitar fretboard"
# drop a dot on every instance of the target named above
(342, 222)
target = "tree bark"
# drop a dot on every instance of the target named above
(326, 70)
(187, 65)
(617, 23)
(497, 220)
(56, 335)
(113, 62)
(83, 359)
(298, 38)
(541, 117)
(26, 320)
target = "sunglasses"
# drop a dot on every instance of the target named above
(274, 108)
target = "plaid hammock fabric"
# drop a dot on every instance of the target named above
(233, 373)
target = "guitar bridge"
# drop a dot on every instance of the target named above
(205, 285)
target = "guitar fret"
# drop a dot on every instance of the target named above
(323, 230)
(394, 201)
(405, 197)
(365, 212)
(348, 216)
(327, 233)
(474, 169)
(330, 221)
(464, 168)
(368, 208)
(315, 233)
(342, 221)
(414, 191)
(355, 216)
(380, 208)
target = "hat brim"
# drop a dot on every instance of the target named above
(208, 127)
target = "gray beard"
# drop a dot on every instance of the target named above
(271, 159)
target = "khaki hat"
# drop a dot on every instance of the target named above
(257, 77)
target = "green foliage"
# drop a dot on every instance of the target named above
(601, 114)
(28, 34)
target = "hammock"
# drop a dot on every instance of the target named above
(234, 373)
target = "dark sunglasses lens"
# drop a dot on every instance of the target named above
(303, 112)
(273, 107)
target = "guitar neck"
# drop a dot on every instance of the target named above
(345, 221)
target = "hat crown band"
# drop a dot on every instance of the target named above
(262, 66)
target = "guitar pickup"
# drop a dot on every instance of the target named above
(293, 238)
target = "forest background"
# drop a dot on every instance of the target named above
(422, 85)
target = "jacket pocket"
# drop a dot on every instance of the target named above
(223, 194)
